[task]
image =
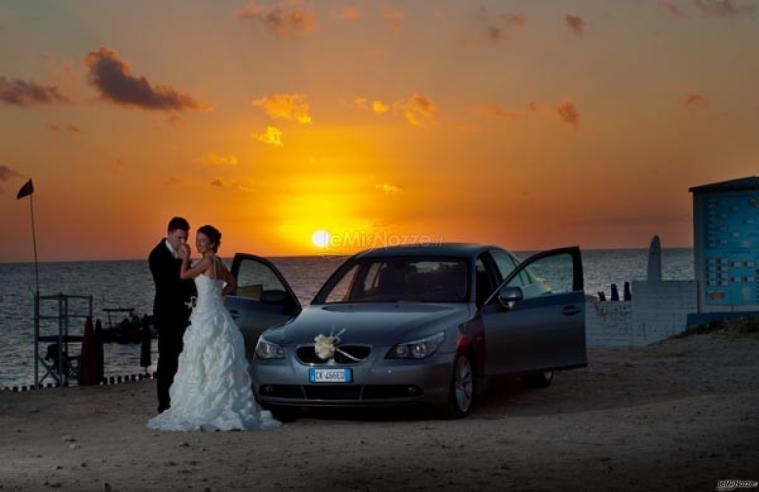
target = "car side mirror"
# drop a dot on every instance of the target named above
(507, 296)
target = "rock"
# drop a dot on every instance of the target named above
(73, 445)
(68, 438)
(183, 444)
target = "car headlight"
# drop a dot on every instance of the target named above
(418, 349)
(268, 350)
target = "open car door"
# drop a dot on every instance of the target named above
(263, 298)
(542, 327)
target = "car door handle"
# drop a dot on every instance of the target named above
(234, 313)
(570, 310)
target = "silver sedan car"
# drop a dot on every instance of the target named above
(412, 324)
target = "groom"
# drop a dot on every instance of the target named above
(170, 311)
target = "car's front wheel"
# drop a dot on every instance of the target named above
(539, 379)
(284, 413)
(461, 390)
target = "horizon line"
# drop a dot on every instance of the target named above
(24, 262)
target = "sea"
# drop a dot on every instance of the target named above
(128, 284)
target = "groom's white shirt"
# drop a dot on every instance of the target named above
(171, 249)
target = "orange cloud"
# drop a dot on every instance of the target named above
(418, 110)
(215, 159)
(176, 120)
(272, 136)
(285, 106)
(72, 129)
(388, 188)
(113, 79)
(394, 19)
(515, 20)
(24, 93)
(380, 107)
(576, 24)
(349, 13)
(375, 106)
(285, 20)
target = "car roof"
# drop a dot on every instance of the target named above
(463, 250)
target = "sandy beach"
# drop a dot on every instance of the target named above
(679, 415)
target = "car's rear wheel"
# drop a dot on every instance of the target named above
(461, 392)
(539, 379)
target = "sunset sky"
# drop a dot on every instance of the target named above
(530, 124)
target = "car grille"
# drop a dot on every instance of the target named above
(307, 354)
(335, 392)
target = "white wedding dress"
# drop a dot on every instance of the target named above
(212, 387)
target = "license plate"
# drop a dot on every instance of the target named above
(330, 375)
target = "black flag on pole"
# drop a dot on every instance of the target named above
(25, 190)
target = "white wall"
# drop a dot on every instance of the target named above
(658, 310)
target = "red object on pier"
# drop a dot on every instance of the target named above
(88, 367)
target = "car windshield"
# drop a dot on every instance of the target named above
(401, 280)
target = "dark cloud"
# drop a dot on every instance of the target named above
(723, 8)
(695, 99)
(25, 93)
(284, 20)
(498, 27)
(113, 78)
(495, 33)
(568, 113)
(576, 24)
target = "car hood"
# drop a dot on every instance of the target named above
(370, 323)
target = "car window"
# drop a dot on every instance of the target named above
(395, 279)
(485, 279)
(548, 275)
(503, 262)
(340, 292)
(372, 277)
(253, 277)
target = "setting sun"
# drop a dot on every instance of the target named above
(320, 238)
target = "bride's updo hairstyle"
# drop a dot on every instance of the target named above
(212, 234)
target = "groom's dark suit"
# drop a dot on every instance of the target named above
(171, 314)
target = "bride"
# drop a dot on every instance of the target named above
(212, 387)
